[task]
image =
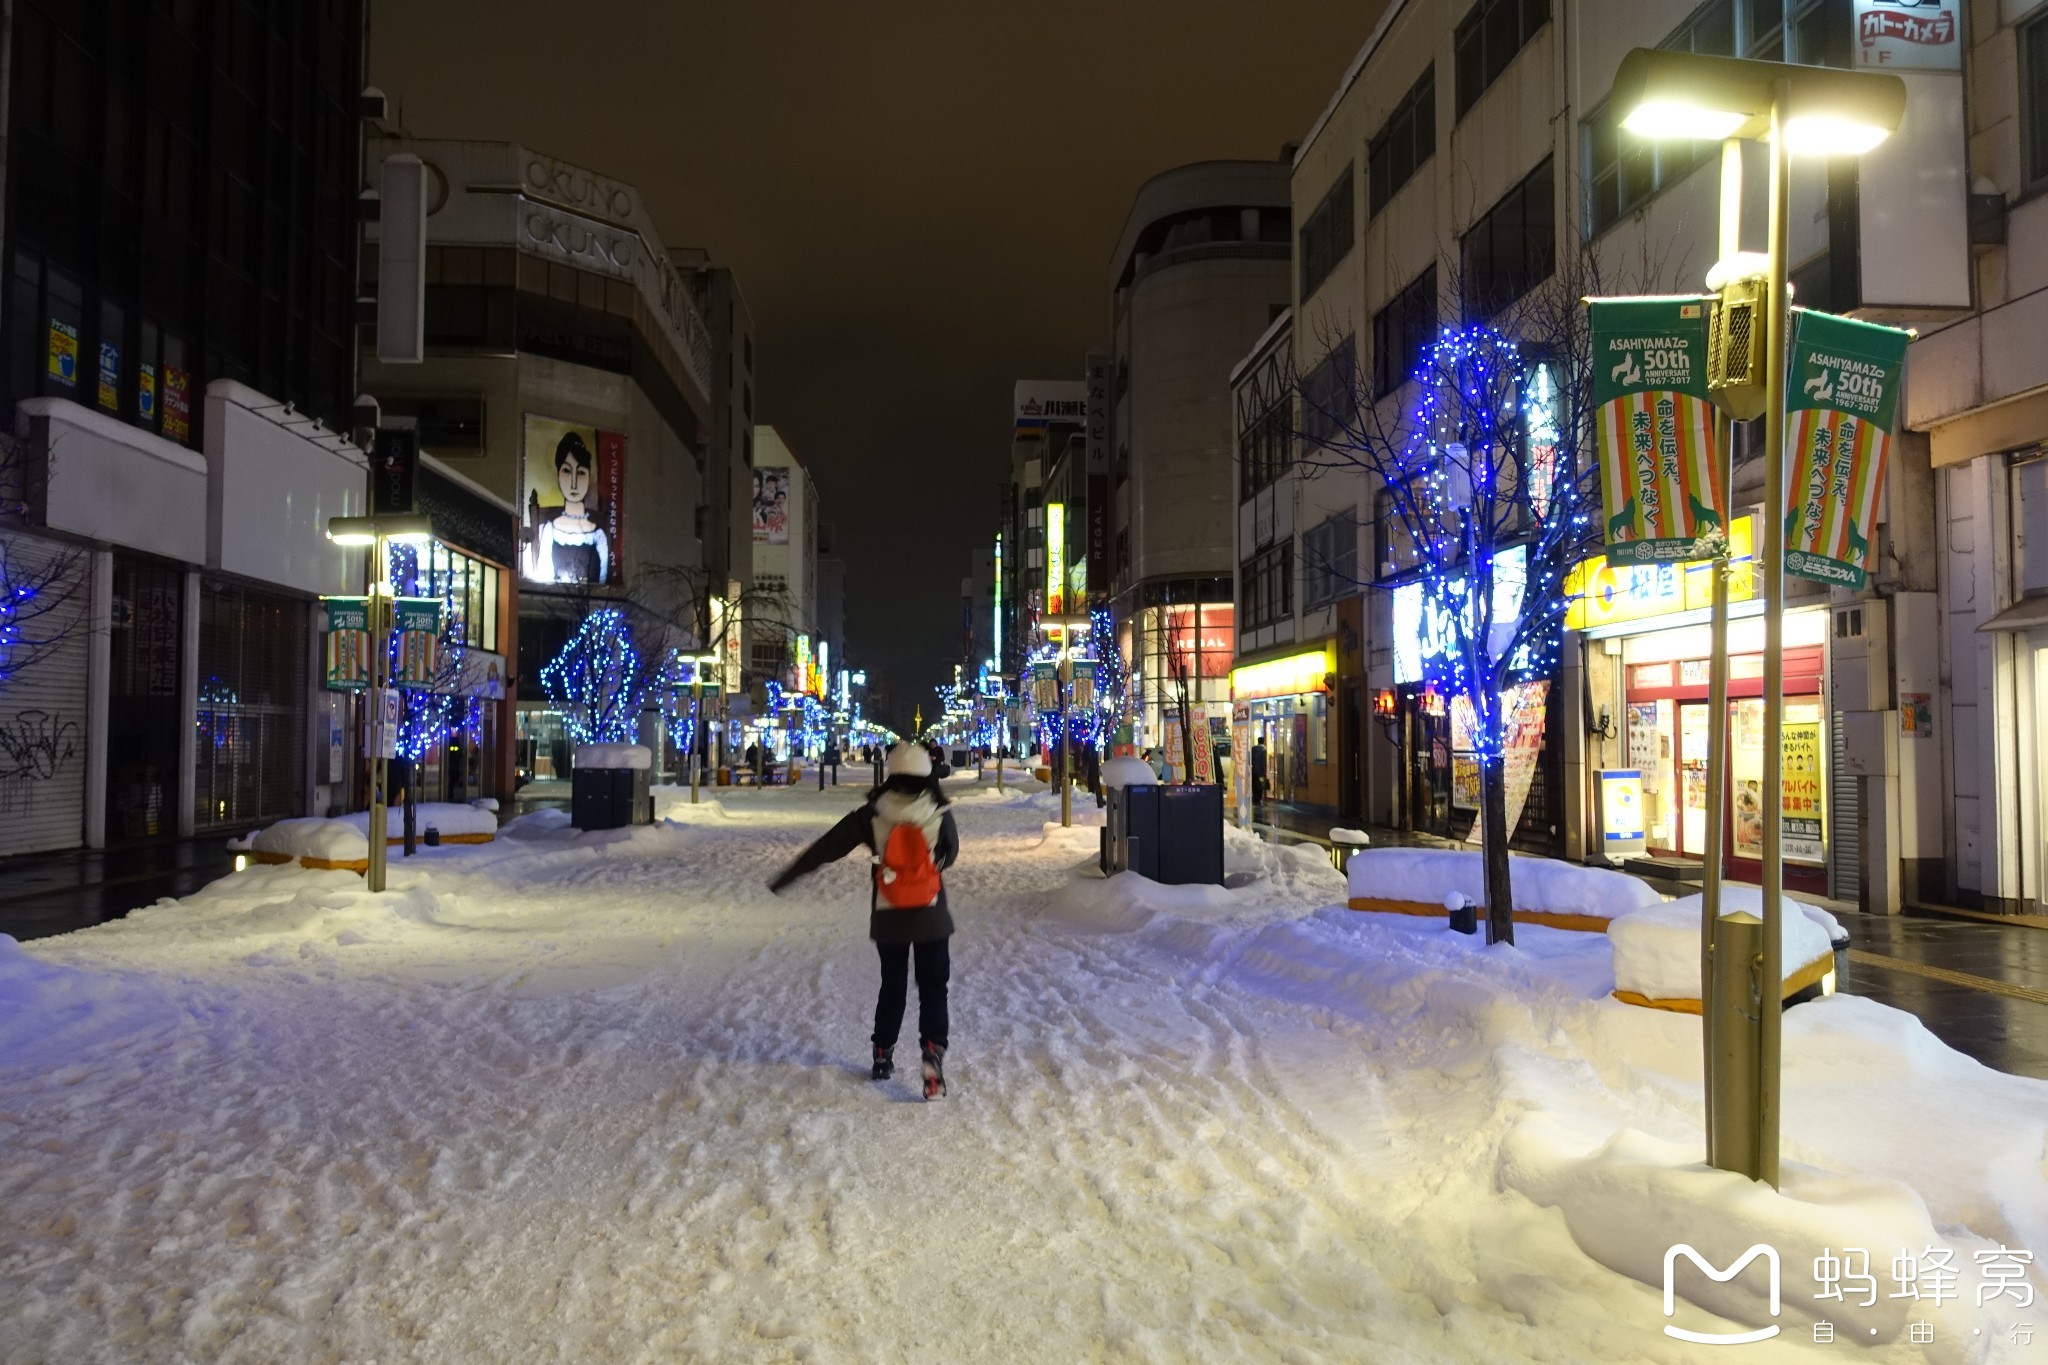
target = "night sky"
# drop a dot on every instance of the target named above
(920, 200)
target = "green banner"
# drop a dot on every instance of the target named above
(1660, 476)
(416, 660)
(347, 642)
(1841, 408)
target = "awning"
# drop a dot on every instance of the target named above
(2026, 614)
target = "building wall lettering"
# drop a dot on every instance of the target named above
(579, 189)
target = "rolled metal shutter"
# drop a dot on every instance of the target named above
(43, 710)
(1845, 823)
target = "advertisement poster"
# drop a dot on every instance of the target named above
(346, 641)
(64, 353)
(1916, 715)
(1621, 811)
(1205, 748)
(771, 505)
(1176, 760)
(145, 394)
(1524, 710)
(1240, 771)
(110, 376)
(1841, 405)
(1055, 558)
(1465, 786)
(575, 493)
(177, 404)
(1644, 751)
(1802, 828)
(1654, 428)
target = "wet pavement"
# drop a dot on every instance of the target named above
(42, 894)
(1978, 985)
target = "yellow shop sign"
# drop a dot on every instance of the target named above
(1603, 594)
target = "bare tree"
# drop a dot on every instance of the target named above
(1491, 492)
(1180, 673)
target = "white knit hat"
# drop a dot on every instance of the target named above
(908, 760)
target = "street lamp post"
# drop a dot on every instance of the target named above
(1809, 110)
(378, 534)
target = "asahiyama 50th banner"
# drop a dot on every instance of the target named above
(1841, 408)
(1660, 478)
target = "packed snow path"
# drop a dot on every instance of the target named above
(604, 1098)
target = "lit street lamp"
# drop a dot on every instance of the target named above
(1809, 111)
(378, 533)
(1069, 627)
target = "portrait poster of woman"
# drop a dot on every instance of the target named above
(571, 523)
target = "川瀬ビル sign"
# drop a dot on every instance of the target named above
(1660, 477)
(1841, 406)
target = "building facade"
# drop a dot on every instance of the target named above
(1467, 164)
(180, 244)
(1200, 269)
(783, 613)
(568, 376)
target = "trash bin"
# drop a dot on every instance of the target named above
(608, 786)
(1171, 834)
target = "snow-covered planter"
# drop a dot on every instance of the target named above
(344, 842)
(1657, 950)
(1431, 881)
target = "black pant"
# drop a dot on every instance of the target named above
(934, 965)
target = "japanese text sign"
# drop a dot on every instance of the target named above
(1660, 475)
(1841, 405)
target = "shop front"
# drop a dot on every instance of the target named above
(1283, 704)
(1181, 654)
(1668, 724)
(1649, 624)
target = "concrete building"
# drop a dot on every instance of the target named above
(568, 379)
(782, 624)
(1200, 269)
(176, 352)
(1467, 163)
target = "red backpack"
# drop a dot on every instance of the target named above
(906, 878)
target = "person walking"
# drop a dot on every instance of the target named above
(911, 839)
(754, 762)
(830, 759)
(1259, 771)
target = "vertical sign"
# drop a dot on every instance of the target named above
(63, 364)
(347, 641)
(145, 394)
(110, 376)
(1841, 405)
(177, 404)
(394, 471)
(416, 648)
(1802, 814)
(1055, 558)
(1659, 475)
(997, 625)
(1095, 378)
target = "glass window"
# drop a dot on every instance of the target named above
(1513, 248)
(2034, 98)
(1328, 401)
(1487, 40)
(1404, 143)
(1326, 236)
(1403, 331)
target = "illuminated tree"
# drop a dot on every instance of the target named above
(596, 682)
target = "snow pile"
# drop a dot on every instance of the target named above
(1127, 902)
(1449, 877)
(612, 756)
(1627, 1202)
(1128, 772)
(1657, 949)
(346, 838)
(1340, 834)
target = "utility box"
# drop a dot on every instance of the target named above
(608, 788)
(1171, 834)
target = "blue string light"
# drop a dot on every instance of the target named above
(595, 681)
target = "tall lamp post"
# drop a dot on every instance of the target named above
(1808, 111)
(698, 663)
(1069, 627)
(379, 534)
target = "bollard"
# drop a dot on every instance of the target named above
(1736, 994)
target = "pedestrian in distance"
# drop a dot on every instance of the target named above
(830, 759)
(1259, 772)
(911, 839)
(754, 762)
(1158, 762)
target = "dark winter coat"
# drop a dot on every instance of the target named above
(895, 800)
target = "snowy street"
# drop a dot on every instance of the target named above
(602, 1097)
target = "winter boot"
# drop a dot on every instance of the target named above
(930, 1059)
(885, 1064)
